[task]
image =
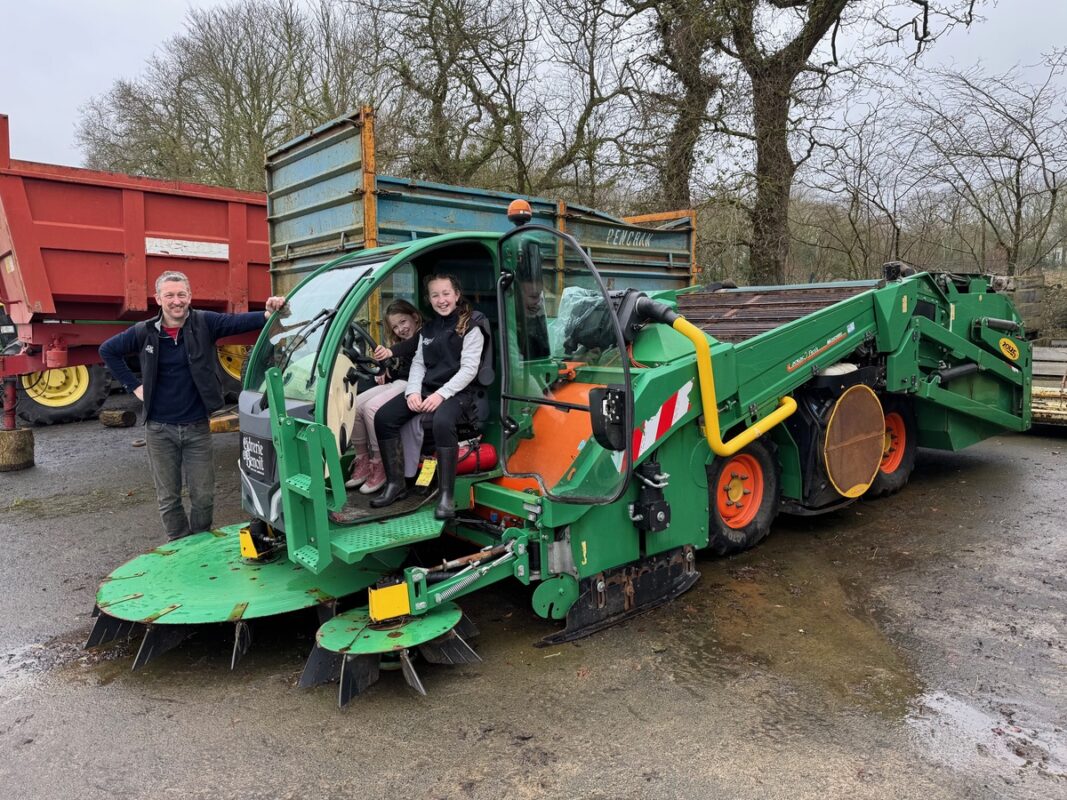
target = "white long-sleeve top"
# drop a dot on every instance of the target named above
(470, 358)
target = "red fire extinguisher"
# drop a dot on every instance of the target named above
(477, 457)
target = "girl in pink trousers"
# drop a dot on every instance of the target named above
(403, 321)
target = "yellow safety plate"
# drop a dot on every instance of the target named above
(389, 602)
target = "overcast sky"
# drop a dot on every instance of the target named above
(60, 53)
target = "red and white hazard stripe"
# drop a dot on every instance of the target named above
(653, 429)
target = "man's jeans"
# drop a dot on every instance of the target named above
(170, 448)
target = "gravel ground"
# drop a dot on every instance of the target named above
(911, 647)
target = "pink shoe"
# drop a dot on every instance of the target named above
(376, 479)
(361, 470)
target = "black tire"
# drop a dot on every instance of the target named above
(86, 406)
(726, 537)
(892, 481)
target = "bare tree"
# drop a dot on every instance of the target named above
(430, 49)
(236, 82)
(675, 95)
(1000, 144)
(786, 54)
(864, 184)
(585, 107)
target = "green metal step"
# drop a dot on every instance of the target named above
(306, 556)
(300, 483)
(354, 542)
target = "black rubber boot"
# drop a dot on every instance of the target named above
(396, 488)
(446, 482)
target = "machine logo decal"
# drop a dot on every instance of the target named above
(257, 456)
(804, 359)
(1009, 348)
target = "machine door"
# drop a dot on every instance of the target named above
(566, 400)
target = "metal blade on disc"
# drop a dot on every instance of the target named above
(466, 628)
(158, 639)
(326, 611)
(242, 640)
(449, 649)
(108, 629)
(322, 667)
(410, 675)
(357, 674)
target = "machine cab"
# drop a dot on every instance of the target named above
(561, 403)
(321, 345)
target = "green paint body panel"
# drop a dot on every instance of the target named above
(750, 377)
(914, 327)
(553, 597)
(203, 579)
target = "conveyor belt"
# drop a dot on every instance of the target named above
(737, 315)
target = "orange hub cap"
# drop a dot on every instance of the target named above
(739, 493)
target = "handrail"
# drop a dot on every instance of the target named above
(786, 405)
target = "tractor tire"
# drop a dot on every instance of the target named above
(231, 366)
(745, 490)
(68, 394)
(901, 443)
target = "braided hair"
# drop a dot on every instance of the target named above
(465, 308)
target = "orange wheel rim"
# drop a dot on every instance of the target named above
(896, 438)
(739, 492)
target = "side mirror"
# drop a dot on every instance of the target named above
(607, 408)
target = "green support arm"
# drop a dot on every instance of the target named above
(994, 364)
(512, 562)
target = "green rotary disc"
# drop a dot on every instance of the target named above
(355, 633)
(204, 579)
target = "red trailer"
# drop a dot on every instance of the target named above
(79, 254)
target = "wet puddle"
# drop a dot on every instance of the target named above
(64, 505)
(794, 617)
(961, 736)
(64, 653)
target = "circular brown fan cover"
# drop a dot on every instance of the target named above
(855, 438)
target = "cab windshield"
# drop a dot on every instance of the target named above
(292, 339)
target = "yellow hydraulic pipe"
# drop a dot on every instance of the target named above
(786, 405)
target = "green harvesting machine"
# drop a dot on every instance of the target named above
(630, 430)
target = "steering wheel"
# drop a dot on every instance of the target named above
(357, 344)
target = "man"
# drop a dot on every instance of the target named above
(180, 387)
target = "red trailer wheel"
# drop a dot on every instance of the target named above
(68, 394)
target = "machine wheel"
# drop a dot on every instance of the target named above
(901, 442)
(745, 491)
(62, 395)
(232, 358)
